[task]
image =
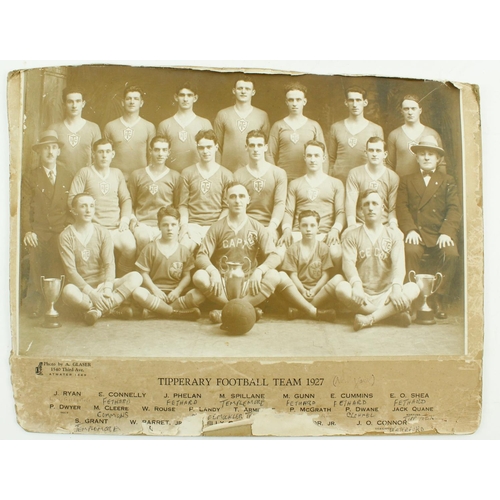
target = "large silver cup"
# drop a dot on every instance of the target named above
(428, 285)
(234, 275)
(51, 290)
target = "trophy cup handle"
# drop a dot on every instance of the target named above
(411, 276)
(222, 263)
(439, 279)
(63, 279)
(246, 259)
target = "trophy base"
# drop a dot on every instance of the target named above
(51, 322)
(425, 318)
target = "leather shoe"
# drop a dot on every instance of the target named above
(293, 313)
(328, 315)
(186, 314)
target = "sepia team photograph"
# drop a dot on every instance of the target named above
(194, 213)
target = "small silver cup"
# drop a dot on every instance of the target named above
(51, 290)
(428, 284)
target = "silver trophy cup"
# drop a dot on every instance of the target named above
(428, 285)
(234, 275)
(51, 290)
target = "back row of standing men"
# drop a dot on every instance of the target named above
(131, 134)
(240, 136)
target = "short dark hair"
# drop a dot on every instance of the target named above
(357, 89)
(296, 86)
(411, 97)
(244, 78)
(133, 88)
(374, 139)
(257, 133)
(366, 193)
(78, 196)
(158, 138)
(232, 184)
(315, 143)
(168, 211)
(101, 142)
(187, 85)
(309, 213)
(72, 90)
(206, 134)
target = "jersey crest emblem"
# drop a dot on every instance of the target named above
(386, 245)
(153, 189)
(251, 238)
(312, 194)
(242, 124)
(85, 255)
(176, 270)
(104, 187)
(315, 269)
(205, 186)
(373, 185)
(352, 141)
(258, 185)
(294, 137)
(73, 140)
(410, 144)
(128, 133)
(183, 135)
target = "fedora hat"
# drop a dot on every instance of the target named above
(428, 142)
(48, 137)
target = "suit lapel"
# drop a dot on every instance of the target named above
(44, 184)
(434, 183)
(419, 184)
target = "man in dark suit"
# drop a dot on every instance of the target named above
(44, 214)
(429, 214)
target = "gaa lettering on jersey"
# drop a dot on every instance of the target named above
(258, 185)
(153, 189)
(251, 238)
(386, 245)
(176, 270)
(380, 253)
(86, 255)
(315, 269)
(373, 185)
(312, 194)
(73, 140)
(294, 137)
(128, 133)
(183, 135)
(205, 186)
(104, 186)
(352, 141)
(242, 124)
(410, 144)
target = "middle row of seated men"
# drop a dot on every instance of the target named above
(208, 206)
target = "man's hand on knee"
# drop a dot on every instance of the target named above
(254, 282)
(444, 241)
(414, 238)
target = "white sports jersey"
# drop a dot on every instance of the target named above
(267, 193)
(150, 193)
(183, 152)
(87, 262)
(360, 179)
(202, 196)
(231, 130)
(112, 198)
(327, 199)
(131, 143)
(377, 264)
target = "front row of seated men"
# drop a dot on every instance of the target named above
(373, 253)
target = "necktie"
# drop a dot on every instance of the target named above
(52, 177)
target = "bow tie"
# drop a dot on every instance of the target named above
(426, 173)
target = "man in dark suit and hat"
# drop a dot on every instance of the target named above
(44, 214)
(429, 214)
